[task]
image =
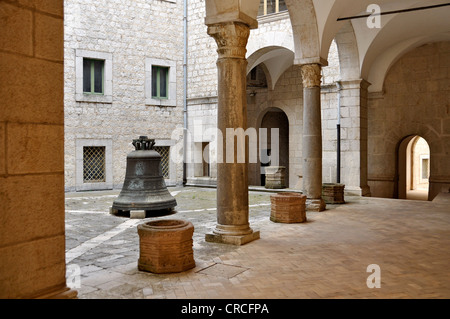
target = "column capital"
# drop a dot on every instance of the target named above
(311, 75)
(231, 39)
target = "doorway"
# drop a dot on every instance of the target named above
(413, 168)
(272, 154)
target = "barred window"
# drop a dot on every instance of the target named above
(94, 164)
(164, 151)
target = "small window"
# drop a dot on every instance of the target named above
(93, 75)
(271, 6)
(160, 82)
(425, 168)
(164, 151)
(205, 159)
(94, 164)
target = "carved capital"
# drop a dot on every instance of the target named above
(231, 39)
(311, 75)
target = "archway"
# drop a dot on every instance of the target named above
(413, 168)
(273, 150)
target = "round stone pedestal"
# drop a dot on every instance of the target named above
(166, 246)
(288, 207)
(333, 193)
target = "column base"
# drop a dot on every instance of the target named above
(64, 293)
(237, 240)
(357, 191)
(315, 205)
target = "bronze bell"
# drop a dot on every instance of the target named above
(144, 187)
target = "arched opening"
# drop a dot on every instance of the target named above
(273, 149)
(413, 168)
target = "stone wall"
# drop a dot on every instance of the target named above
(32, 243)
(132, 33)
(415, 102)
(202, 55)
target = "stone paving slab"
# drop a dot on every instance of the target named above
(326, 257)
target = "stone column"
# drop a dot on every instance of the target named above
(312, 137)
(232, 178)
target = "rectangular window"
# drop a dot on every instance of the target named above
(93, 76)
(160, 82)
(164, 151)
(205, 159)
(94, 164)
(271, 6)
(425, 168)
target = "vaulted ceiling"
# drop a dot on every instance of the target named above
(377, 47)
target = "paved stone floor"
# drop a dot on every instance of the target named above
(326, 257)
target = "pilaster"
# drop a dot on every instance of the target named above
(354, 95)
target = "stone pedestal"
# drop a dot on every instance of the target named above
(232, 172)
(275, 177)
(166, 246)
(333, 193)
(288, 208)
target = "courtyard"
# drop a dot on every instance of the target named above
(326, 257)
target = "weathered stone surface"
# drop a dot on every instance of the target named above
(333, 193)
(232, 174)
(275, 177)
(32, 241)
(315, 205)
(288, 208)
(166, 246)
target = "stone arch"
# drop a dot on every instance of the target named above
(274, 117)
(305, 32)
(396, 143)
(348, 53)
(269, 39)
(408, 165)
(276, 60)
(381, 66)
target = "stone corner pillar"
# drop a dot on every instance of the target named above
(354, 101)
(312, 137)
(232, 177)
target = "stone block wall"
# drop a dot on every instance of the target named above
(415, 102)
(202, 55)
(32, 243)
(130, 33)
